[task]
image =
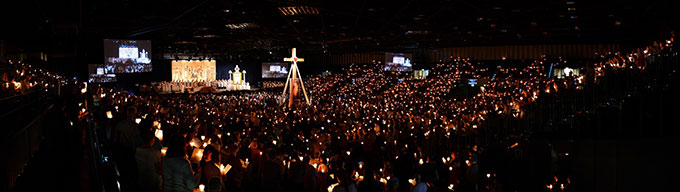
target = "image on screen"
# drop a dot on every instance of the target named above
(127, 56)
(97, 74)
(398, 62)
(275, 70)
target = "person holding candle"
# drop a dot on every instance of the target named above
(209, 164)
(345, 184)
(234, 177)
(177, 172)
(272, 172)
(148, 163)
(370, 183)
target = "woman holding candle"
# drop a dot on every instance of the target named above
(148, 163)
(177, 172)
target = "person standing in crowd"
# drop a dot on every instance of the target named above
(177, 172)
(272, 172)
(211, 157)
(148, 163)
(126, 139)
(369, 183)
(234, 177)
(345, 184)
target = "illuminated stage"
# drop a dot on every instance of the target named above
(200, 75)
(193, 70)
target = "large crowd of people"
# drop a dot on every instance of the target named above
(165, 87)
(272, 84)
(21, 78)
(365, 129)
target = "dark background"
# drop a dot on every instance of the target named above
(70, 32)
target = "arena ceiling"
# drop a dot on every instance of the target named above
(228, 28)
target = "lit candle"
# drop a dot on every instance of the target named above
(412, 181)
(163, 151)
(159, 134)
(137, 120)
(330, 188)
(197, 155)
(201, 187)
(224, 169)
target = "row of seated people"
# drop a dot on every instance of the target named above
(181, 86)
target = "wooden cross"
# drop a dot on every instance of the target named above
(294, 58)
(296, 74)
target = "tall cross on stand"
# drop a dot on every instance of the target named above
(290, 82)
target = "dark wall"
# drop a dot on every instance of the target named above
(252, 68)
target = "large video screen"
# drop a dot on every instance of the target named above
(97, 74)
(398, 62)
(275, 69)
(127, 56)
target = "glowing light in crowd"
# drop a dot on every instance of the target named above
(330, 188)
(159, 134)
(412, 181)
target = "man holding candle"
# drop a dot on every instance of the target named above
(209, 164)
(234, 177)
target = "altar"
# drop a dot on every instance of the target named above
(199, 75)
(236, 81)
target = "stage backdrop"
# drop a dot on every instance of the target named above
(193, 70)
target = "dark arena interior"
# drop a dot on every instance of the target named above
(339, 96)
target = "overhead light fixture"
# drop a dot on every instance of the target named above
(299, 10)
(241, 25)
(204, 36)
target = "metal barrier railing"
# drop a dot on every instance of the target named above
(23, 129)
